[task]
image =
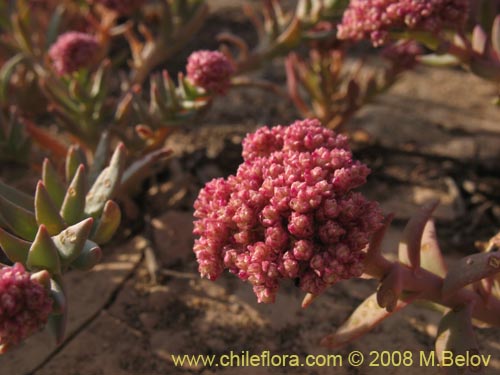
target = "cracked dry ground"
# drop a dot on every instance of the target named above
(424, 144)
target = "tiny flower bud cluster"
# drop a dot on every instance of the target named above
(289, 212)
(374, 19)
(210, 70)
(72, 51)
(25, 305)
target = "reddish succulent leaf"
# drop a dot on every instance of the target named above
(390, 289)
(431, 257)
(456, 334)
(409, 246)
(471, 269)
(366, 317)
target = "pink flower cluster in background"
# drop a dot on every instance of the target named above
(288, 213)
(210, 70)
(25, 305)
(374, 19)
(73, 51)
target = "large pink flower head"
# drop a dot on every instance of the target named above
(210, 70)
(122, 7)
(289, 212)
(72, 51)
(374, 19)
(25, 305)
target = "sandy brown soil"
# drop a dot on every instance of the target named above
(425, 143)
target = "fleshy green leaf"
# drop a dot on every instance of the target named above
(43, 253)
(58, 296)
(108, 223)
(106, 184)
(100, 157)
(74, 200)
(74, 159)
(70, 242)
(15, 248)
(46, 212)
(16, 196)
(21, 221)
(89, 257)
(53, 183)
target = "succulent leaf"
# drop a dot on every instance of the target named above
(471, 269)
(16, 196)
(390, 289)
(53, 183)
(70, 242)
(106, 184)
(15, 248)
(21, 221)
(74, 159)
(456, 333)
(89, 257)
(57, 293)
(495, 35)
(43, 253)
(100, 157)
(366, 317)
(108, 223)
(431, 257)
(409, 246)
(57, 325)
(74, 200)
(46, 212)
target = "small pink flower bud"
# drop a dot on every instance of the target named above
(210, 70)
(73, 51)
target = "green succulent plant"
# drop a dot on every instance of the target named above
(64, 224)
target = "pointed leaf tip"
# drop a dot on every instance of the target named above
(43, 253)
(46, 211)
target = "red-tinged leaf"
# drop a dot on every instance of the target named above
(46, 140)
(366, 317)
(456, 336)
(390, 289)
(495, 35)
(479, 39)
(409, 246)
(471, 269)
(431, 257)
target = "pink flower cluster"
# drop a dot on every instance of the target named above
(72, 51)
(25, 305)
(122, 7)
(289, 212)
(374, 19)
(210, 70)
